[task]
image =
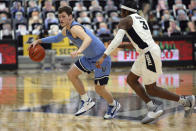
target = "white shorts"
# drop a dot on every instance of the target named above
(148, 65)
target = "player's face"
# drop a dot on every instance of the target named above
(64, 19)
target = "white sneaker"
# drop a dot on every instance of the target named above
(189, 105)
(153, 113)
(85, 106)
(112, 111)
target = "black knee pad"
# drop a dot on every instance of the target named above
(102, 81)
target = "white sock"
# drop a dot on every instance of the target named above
(113, 103)
(84, 97)
(150, 104)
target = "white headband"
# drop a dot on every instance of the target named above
(128, 8)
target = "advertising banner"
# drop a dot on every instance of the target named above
(26, 40)
(7, 53)
(170, 51)
(176, 50)
(0, 58)
(63, 47)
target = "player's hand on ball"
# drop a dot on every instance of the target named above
(34, 43)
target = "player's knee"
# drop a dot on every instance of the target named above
(70, 74)
(99, 89)
(131, 80)
(101, 81)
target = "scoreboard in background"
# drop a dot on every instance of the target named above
(8, 54)
(179, 50)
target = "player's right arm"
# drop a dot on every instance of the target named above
(51, 39)
(124, 25)
(126, 46)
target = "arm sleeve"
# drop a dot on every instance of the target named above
(115, 42)
(53, 39)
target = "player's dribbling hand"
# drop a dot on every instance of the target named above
(33, 44)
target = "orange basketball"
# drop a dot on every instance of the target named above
(37, 53)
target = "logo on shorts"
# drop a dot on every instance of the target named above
(103, 69)
(150, 62)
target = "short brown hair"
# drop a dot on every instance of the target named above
(66, 9)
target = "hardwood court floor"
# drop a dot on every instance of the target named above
(46, 101)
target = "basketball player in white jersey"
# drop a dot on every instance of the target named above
(148, 65)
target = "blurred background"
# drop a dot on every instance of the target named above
(38, 95)
(172, 24)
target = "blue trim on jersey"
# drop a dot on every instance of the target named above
(53, 39)
(81, 67)
(96, 46)
(72, 24)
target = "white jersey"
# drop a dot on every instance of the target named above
(140, 35)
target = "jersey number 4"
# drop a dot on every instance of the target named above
(144, 25)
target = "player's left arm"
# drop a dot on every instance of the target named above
(79, 32)
(123, 26)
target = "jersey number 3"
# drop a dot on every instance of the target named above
(144, 25)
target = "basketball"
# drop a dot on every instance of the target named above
(37, 53)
